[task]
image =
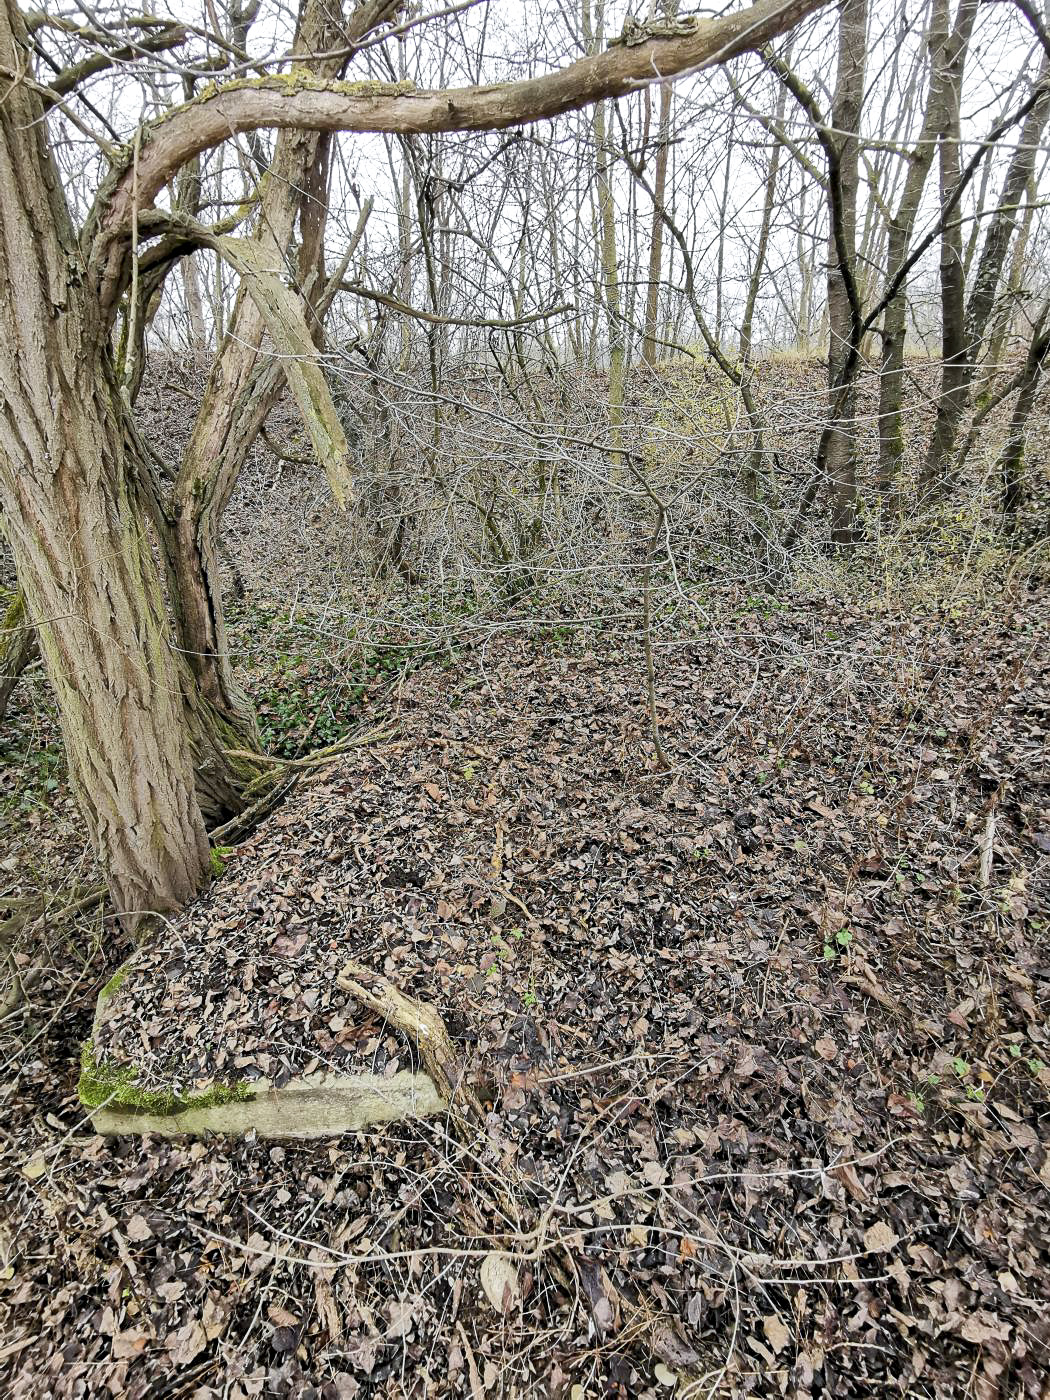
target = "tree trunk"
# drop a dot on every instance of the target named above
(86, 565)
(965, 323)
(241, 393)
(984, 384)
(70, 473)
(593, 33)
(769, 201)
(1011, 460)
(946, 51)
(650, 350)
(840, 465)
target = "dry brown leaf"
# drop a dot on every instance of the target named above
(880, 1238)
(138, 1229)
(777, 1334)
(499, 1279)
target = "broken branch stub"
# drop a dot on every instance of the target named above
(424, 1026)
(260, 270)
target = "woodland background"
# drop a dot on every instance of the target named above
(664, 700)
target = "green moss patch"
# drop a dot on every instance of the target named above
(104, 1084)
(114, 984)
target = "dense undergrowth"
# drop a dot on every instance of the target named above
(764, 1052)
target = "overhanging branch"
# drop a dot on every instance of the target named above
(298, 101)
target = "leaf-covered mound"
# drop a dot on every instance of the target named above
(762, 1039)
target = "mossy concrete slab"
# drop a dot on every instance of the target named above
(313, 1106)
(122, 1098)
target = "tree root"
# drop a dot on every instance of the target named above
(425, 1028)
(233, 831)
(320, 756)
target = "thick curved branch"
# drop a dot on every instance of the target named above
(308, 104)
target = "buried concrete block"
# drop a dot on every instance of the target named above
(123, 1097)
(315, 1105)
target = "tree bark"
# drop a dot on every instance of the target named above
(840, 464)
(946, 52)
(965, 322)
(1010, 467)
(71, 475)
(82, 555)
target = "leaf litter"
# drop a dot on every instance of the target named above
(762, 1050)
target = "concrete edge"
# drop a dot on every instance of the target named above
(313, 1106)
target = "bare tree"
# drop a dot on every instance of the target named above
(78, 488)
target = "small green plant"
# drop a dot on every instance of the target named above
(1034, 1063)
(834, 948)
(917, 1096)
(41, 770)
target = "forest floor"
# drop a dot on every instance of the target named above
(761, 1039)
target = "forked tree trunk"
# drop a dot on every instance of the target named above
(83, 554)
(242, 389)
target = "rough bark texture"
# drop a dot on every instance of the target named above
(76, 529)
